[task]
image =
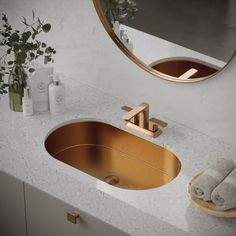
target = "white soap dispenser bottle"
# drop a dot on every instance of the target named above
(116, 28)
(27, 102)
(56, 96)
(125, 39)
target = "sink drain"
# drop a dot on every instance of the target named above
(112, 179)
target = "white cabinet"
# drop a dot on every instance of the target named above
(47, 216)
(44, 214)
(12, 210)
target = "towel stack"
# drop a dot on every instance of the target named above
(217, 184)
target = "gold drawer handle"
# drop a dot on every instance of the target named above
(72, 217)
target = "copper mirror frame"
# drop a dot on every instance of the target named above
(137, 61)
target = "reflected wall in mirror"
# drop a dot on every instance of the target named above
(182, 41)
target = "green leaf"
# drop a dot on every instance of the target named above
(46, 28)
(16, 48)
(9, 51)
(44, 45)
(39, 21)
(4, 18)
(20, 58)
(49, 50)
(24, 23)
(47, 59)
(26, 35)
(38, 43)
(5, 86)
(32, 56)
(14, 37)
(35, 31)
(40, 52)
(34, 46)
(31, 70)
(5, 35)
(10, 63)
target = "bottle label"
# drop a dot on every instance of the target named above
(41, 87)
(59, 99)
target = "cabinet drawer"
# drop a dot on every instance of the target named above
(47, 215)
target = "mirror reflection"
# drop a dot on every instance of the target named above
(185, 39)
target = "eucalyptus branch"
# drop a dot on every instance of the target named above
(119, 10)
(23, 46)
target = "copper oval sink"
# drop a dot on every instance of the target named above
(178, 66)
(113, 155)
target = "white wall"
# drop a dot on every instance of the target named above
(85, 52)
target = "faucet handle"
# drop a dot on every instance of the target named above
(126, 108)
(135, 111)
(156, 121)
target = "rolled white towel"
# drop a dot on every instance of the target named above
(204, 184)
(224, 195)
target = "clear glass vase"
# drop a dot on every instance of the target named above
(16, 82)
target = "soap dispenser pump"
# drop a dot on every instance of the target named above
(56, 96)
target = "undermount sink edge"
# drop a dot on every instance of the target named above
(112, 155)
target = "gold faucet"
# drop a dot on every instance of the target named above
(138, 119)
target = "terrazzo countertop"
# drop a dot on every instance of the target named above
(161, 211)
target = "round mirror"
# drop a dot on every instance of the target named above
(181, 41)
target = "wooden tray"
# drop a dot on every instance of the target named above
(209, 207)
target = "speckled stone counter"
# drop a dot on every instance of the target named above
(162, 211)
